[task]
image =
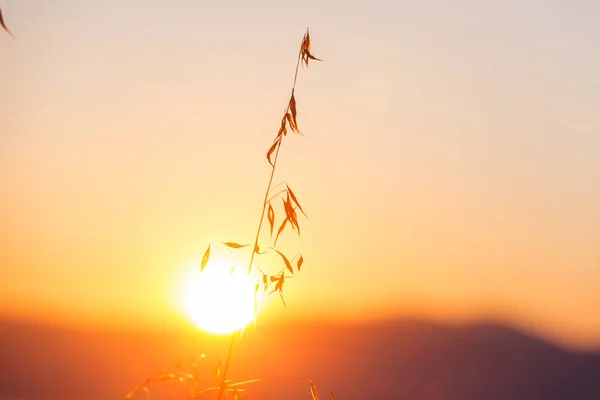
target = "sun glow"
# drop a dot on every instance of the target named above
(220, 300)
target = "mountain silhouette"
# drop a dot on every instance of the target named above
(399, 359)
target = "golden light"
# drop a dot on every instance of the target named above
(220, 300)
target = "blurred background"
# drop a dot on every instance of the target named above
(450, 174)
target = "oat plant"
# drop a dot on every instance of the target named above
(278, 200)
(3, 25)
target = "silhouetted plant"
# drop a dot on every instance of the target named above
(278, 200)
(3, 25)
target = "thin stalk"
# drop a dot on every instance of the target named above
(226, 368)
(275, 195)
(265, 200)
(262, 215)
(271, 378)
(222, 390)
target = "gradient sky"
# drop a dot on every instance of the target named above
(451, 169)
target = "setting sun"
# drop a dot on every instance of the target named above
(219, 300)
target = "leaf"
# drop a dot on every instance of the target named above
(292, 105)
(307, 41)
(305, 47)
(295, 200)
(287, 207)
(313, 391)
(296, 220)
(287, 203)
(281, 228)
(282, 129)
(313, 57)
(271, 216)
(299, 263)
(235, 245)
(305, 50)
(291, 213)
(286, 261)
(4, 26)
(265, 280)
(279, 286)
(271, 150)
(205, 258)
(292, 123)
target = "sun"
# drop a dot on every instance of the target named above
(220, 300)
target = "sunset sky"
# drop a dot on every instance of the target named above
(451, 167)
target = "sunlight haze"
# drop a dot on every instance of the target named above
(451, 165)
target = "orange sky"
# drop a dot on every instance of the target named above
(451, 166)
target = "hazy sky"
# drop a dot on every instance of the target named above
(451, 169)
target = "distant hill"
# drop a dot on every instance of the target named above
(395, 360)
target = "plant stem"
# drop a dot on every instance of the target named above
(222, 391)
(262, 215)
(280, 140)
(226, 368)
